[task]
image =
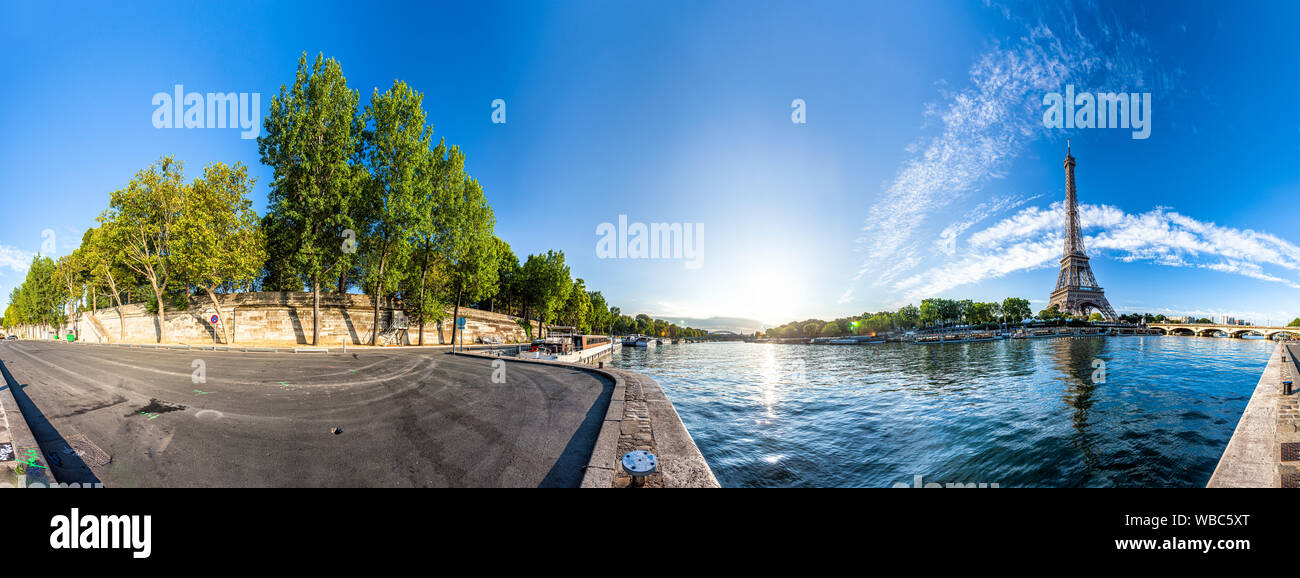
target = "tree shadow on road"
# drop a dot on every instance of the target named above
(569, 468)
(66, 466)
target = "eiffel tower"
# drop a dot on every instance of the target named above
(1076, 289)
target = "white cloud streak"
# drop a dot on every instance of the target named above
(982, 128)
(15, 259)
(1033, 238)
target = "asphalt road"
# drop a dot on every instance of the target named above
(408, 418)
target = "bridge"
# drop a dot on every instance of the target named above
(1212, 329)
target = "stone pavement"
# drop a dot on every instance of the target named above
(1288, 422)
(1250, 459)
(636, 431)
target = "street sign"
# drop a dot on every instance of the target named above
(214, 319)
(460, 323)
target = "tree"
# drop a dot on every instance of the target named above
(577, 308)
(39, 300)
(312, 142)
(1096, 317)
(546, 279)
(71, 277)
(831, 329)
(1294, 322)
(1051, 314)
(470, 251)
(105, 269)
(145, 215)
(600, 313)
(507, 278)
(1016, 309)
(445, 172)
(218, 237)
(397, 154)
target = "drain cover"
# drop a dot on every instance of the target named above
(88, 451)
(1291, 480)
(1290, 452)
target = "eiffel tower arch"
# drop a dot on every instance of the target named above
(1077, 291)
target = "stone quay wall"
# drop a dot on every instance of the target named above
(285, 318)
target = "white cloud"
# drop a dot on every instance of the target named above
(845, 298)
(982, 128)
(15, 259)
(1033, 238)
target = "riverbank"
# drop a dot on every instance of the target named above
(640, 417)
(1256, 456)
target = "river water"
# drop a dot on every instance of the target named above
(1058, 412)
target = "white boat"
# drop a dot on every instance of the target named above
(639, 341)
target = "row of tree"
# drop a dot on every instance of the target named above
(934, 312)
(360, 198)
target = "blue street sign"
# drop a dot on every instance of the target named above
(214, 319)
(460, 323)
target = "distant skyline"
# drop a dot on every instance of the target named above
(923, 168)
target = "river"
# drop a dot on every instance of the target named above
(1148, 411)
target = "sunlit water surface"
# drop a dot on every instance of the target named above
(1011, 412)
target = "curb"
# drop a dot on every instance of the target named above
(599, 472)
(304, 349)
(23, 440)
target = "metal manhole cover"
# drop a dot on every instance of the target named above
(87, 451)
(1291, 480)
(1290, 452)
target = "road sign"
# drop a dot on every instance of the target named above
(460, 323)
(214, 319)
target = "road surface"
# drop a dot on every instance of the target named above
(408, 418)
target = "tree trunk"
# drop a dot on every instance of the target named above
(217, 306)
(162, 311)
(424, 274)
(343, 281)
(315, 309)
(455, 319)
(379, 290)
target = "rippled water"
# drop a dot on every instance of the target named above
(1013, 412)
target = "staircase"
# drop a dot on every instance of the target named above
(397, 326)
(101, 334)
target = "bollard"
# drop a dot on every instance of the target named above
(1286, 387)
(639, 464)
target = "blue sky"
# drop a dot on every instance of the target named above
(923, 168)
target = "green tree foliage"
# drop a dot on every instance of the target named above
(218, 239)
(144, 216)
(1015, 309)
(470, 251)
(105, 270)
(547, 280)
(312, 142)
(576, 311)
(396, 145)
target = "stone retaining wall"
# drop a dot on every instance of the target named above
(285, 318)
